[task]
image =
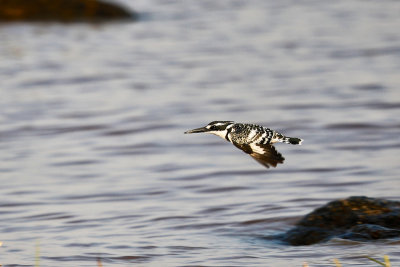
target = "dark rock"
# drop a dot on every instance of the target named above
(370, 232)
(62, 11)
(355, 218)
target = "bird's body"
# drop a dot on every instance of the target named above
(253, 139)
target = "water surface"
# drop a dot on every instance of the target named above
(94, 162)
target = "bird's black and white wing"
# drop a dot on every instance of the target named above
(265, 154)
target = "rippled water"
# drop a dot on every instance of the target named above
(94, 162)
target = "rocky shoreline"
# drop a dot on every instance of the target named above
(65, 11)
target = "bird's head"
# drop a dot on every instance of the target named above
(219, 128)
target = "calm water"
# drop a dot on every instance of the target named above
(94, 162)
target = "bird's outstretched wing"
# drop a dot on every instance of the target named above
(265, 154)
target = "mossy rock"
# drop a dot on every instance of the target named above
(355, 218)
(62, 11)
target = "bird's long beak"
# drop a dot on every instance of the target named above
(197, 130)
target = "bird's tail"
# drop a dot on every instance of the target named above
(293, 140)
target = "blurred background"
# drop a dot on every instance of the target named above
(94, 162)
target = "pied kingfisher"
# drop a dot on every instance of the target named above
(253, 139)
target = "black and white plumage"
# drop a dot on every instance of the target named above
(255, 140)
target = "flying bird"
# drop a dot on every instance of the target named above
(253, 139)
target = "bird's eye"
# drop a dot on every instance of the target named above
(213, 127)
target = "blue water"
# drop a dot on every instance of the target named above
(94, 163)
